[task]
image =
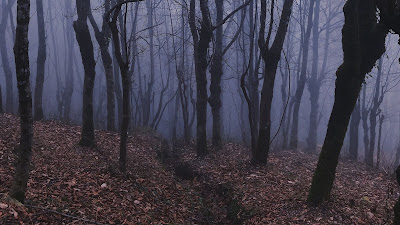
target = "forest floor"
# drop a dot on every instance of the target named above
(74, 185)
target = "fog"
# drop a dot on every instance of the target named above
(163, 76)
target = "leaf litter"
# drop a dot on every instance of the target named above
(74, 185)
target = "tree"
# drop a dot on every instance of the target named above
(271, 56)
(354, 125)
(41, 60)
(362, 47)
(217, 72)
(69, 73)
(4, 56)
(303, 74)
(373, 114)
(21, 47)
(86, 48)
(201, 40)
(123, 63)
(103, 39)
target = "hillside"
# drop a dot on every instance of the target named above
(74, 185)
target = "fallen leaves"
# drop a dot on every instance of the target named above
(70, 184)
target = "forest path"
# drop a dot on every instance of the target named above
(85, 183)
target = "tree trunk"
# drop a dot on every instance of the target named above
(86, 48)
(314, 84)
(216, 74)
(21, 47)
(302, 80)
(271, 57)
(201, 40)
(4, 59)
(374, 113)
(69, 76)
(103, 39)
(41, 60)
(354, 125)
(364, 118)
(379, 147)
(362, 46)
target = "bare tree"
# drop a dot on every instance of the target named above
(217, 72)
(354, 127)
(69, 73)
(86, 47)
(362, 47)
(41, 60)
(201, 40)
(303, 75)
(103, 39)
(4, 56)
(123, 60)
(271, 56)
(21, 47)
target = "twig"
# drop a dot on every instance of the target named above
(64, 214)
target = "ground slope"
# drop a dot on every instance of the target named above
(74, 185)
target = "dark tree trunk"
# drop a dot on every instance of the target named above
(41, 60)
(86, 47)
(271, 57)
(302, 81)
(4, 58)
(216, 74)
(21, 47)
(122, 57)
(354, 125)
(201, 40)
(362, 46)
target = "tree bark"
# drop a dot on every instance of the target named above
(41, 60)
(86, 48)
(21, 47)
(362, 46)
